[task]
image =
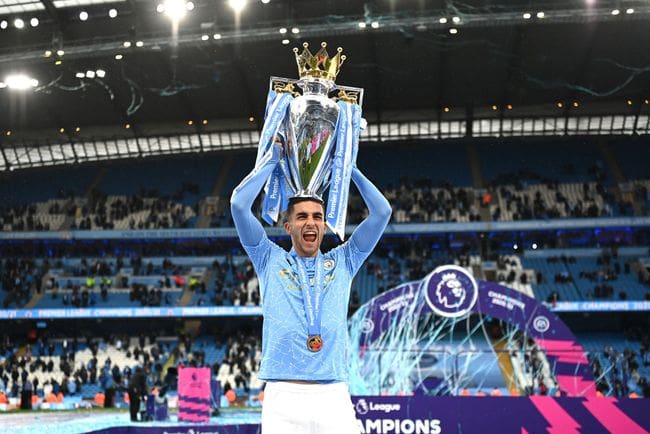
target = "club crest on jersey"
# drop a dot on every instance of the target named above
(329, 264)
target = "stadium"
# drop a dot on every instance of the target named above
(509, 293)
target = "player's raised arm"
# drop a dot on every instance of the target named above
(248, 227)
(368, 233)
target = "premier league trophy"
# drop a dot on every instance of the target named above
(318, 123)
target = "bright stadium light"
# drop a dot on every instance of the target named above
(100, 73)
(60, 53)
(237, 5)
(4, 24)
(175, 9)
(112, 13)
(80, 75)
(442, 20)
(18, 23)
(540, 15)
(20, 82)
(216, 36)
(285, 42)
(34, 22)
(283, 30)
(118, 57)
(527, 16)
(615, 12)
(205, 37)
(629, 11)
(83, 15)
(90, 74)
(189, 6)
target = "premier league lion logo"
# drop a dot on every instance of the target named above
(450, 291)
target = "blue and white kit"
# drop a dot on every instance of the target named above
(285, 355)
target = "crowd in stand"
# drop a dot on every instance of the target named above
(19, 279)
(511, 196)
(20, 369)
(617, 373)
(23, 218)
(101, 213)
(420, 201)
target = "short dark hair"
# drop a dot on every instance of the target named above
(295, 200)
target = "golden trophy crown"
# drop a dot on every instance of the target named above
(320, 65)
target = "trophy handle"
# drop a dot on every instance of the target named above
(343, 93)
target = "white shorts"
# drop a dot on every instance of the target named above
(291, 408)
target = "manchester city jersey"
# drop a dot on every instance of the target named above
(285, 355)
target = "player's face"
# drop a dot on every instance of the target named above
(306, 226)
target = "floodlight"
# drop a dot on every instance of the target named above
(112, 13)
(34, 22)
(237, 5)
(83, 15)
(20, 82)
(18, 23)
(175, 9)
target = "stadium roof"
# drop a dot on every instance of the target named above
(507, 59)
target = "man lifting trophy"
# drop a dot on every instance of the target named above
(308, 144)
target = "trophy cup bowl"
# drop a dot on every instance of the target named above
(309, 138)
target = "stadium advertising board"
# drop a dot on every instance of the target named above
(469, 415)
(131, 312)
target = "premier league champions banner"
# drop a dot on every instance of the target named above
(194, 394)
(486, 415)
(396, 328)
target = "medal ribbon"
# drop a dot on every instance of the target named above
(312, 294)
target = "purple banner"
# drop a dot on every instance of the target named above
(485, 415)
(183, 429)
(449, 291)
(467, 415)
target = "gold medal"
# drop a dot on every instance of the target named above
(314, 343)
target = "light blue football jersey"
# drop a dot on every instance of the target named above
(285, 355)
